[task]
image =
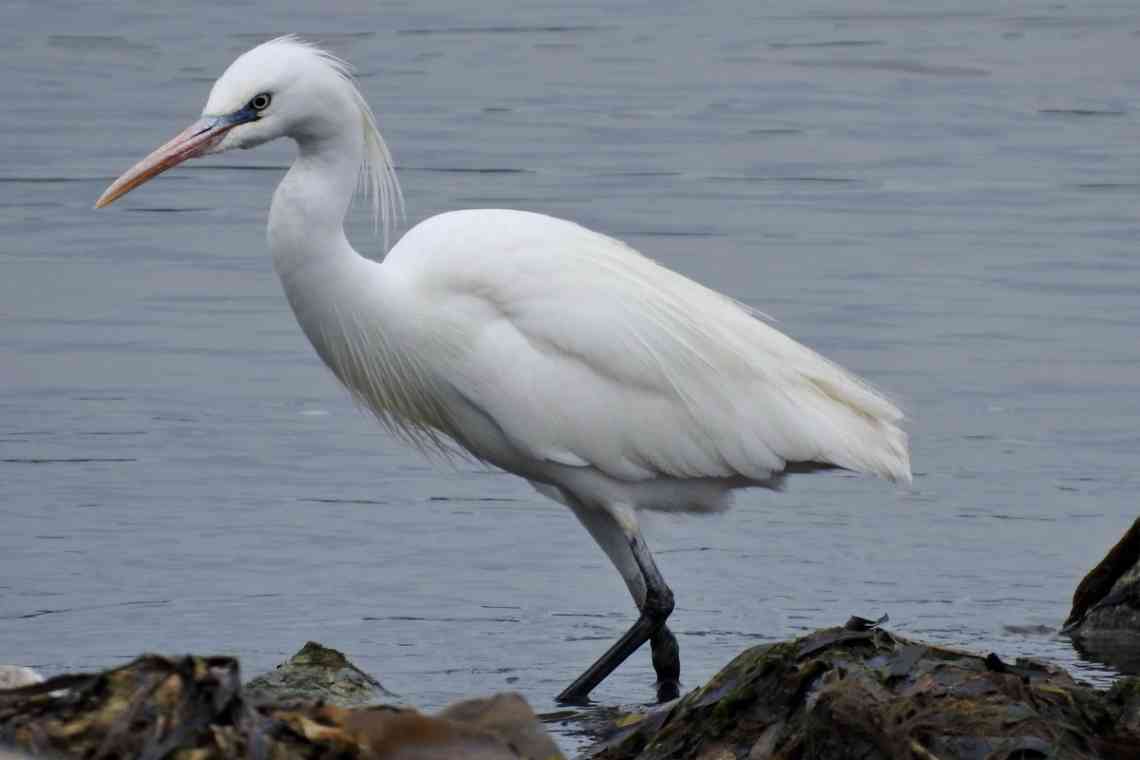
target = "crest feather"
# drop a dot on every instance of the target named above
(377, 173)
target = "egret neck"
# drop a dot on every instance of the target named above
(306, 220)
(342, 300)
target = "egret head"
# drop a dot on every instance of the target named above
(282, 88)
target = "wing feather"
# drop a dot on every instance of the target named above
(586, 353)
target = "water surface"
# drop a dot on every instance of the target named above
(944, 202)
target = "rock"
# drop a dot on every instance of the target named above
(194, 707)
(401, 734)
(317, 674)
(1125, 694)
(869, 694)
(836, 693)
(1104, 622)
(143, 709)
(14, 676)
(509, 717)
(1106, 604)
(475, 727)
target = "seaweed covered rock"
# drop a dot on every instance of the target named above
(317, 674)
(193, 708)
(144, 709)
(839, 693)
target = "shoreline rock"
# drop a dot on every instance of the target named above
(1106, 603)
(317, 673)
(838, 693)
(195, 707)
(1104, 622)
(835, 693)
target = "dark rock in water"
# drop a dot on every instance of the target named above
(1105, 619)
(194, 708)
(317, 674)
(868, 694)
(1030, 630)
(856, 623)
(1105, 602)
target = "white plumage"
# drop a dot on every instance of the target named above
(587, 354)
(610, 382)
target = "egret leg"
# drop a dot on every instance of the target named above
(617, 532)
(666, 663)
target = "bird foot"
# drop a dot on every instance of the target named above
(667, 664)
(667, 691)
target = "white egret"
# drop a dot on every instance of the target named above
(609, 382)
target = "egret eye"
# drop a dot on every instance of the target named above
(260, 102)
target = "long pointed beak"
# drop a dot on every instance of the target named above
(195, 140)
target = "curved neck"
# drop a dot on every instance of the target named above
(306, 220)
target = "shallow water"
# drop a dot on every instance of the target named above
(945, 203)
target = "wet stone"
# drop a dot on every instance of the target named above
(1104, 621)
(840, 694)
(195, 708)
(317, 674)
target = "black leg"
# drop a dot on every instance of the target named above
(667, 664)
(649, 625)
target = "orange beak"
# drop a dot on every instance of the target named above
(195, 140)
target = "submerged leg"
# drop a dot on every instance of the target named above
(617, 532)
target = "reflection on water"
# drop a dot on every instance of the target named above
(1120, 655)
(945, 202)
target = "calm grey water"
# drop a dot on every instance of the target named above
(944, 202)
